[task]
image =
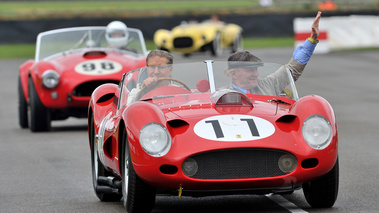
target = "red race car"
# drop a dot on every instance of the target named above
(69, 64)
(193, 136)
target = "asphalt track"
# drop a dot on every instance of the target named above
(50, 172)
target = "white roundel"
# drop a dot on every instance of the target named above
(234, 128)
(98, 67)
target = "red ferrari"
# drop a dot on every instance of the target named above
(68, 65)
(193, 136)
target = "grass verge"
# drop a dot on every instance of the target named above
(48, 9)
(17, 51)
(8, 51)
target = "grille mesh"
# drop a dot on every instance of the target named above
(237, 164)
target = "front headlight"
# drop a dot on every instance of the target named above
(317, 131)
(50, 79)
(155, 139)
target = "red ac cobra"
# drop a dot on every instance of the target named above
(69, 64)
(194, 137)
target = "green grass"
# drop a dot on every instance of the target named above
(49, 9)
(10, 10)
(251, 43)
(8, 51)
(17, 51)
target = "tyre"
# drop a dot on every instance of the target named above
(39, 115)
(22, 107)
(322, 192)
(216, 48)
(237, 44)
(98, 169)
(137, 195)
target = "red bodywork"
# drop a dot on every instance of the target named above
(70, 79)
(180, 121)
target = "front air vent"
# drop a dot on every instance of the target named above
(105, 98)
(177, 123)
(309, 163)
(168, 169)
(177, 126)
(288, 123)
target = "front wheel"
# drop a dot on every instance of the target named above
(216, 48)
(237, 44)
(137, 195)
(322, 192)
(39, 114)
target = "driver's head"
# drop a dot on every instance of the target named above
(159, 63)
(117, 34)
(243, 73)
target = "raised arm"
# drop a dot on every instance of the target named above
(315, 30)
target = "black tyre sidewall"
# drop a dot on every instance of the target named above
(22, 107)
(216, 48)
(237, 44)
(322, 192)
(39, 114)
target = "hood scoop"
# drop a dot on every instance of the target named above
(94, 54)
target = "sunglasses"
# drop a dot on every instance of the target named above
(159, 66)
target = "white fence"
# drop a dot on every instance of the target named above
(344, 32)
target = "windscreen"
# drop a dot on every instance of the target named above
(58, 42)
(203, 77)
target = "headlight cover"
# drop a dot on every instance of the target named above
(317, 131)
(155, 139)
(50, 79)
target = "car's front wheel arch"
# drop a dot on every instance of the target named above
(96, 166)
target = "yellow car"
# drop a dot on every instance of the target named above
(190, 37)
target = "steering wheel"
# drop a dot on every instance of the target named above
(143, 89)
